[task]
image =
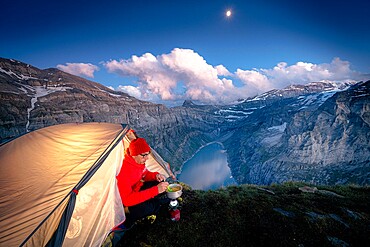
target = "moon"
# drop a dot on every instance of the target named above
(228, 13)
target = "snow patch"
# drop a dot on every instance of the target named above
(233, 111)
(12, 74)
(316, 99)
(24, 90)
(280, 128)
(361, 95)
(275, 134)
(111, 94)
(40, 91)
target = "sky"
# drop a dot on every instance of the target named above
(168, 51)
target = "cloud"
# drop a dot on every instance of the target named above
(131, 90)
(152, 75)
(254, 80)
(302, 72)
(184, 74)
(283, 75)
(221, 70)
(79, 69)
(161, 75)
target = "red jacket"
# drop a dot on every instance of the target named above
(131, 178)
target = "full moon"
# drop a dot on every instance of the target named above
(228, 13)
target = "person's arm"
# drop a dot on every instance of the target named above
(130, 197)
(154, 176)
(150, 176)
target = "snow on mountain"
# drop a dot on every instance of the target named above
(38, 92)
(18, 76)
(317, 132)
(311, 95)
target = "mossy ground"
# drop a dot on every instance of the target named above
(248, 215)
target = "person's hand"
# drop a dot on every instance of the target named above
(162, 187)
(160, 177)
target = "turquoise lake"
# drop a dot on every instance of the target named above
(207, 169)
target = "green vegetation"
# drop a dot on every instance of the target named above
(250, 215)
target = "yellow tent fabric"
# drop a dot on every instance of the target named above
(39, 171)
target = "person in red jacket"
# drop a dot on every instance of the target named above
(139, 188)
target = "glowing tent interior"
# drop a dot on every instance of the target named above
(58, 184)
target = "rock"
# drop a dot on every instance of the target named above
(284, 212)
(330, 193)
(337, 242)
(301, 133)
(326, 140)
(308, 189)
(32, 99)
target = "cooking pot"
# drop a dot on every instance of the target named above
(174, 191)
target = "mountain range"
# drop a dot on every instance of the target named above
(317, 133)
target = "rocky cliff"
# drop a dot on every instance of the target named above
(32, 98)
(316, 133)
(319, 138)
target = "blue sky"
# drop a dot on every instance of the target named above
(167, 51)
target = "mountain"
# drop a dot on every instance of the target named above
(324, 90)
(321, 137)
(32, 98)
(317, 133)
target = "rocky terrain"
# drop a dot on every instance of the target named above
(289, 214)
(32, 98)
(320, 138)
(318, 133)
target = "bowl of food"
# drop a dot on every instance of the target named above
(174, 191)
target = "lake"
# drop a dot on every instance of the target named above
(207, 169)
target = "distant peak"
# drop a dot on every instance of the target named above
(188, 103)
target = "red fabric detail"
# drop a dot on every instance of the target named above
(75, 191)
(131, 131)
(137, 186)
(150, 176)
(129, 184)
(138, 146)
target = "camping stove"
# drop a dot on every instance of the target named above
(173, 204)
(174, 210)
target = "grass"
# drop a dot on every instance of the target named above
(249, 216)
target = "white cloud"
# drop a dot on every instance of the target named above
(162, 74)
(131, 90)
(283, 75)
(150, 72)
(221, 70)
(140, 93)
(161, 77)
(79, 69)
(254, 80)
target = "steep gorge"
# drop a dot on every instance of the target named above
(314, 133)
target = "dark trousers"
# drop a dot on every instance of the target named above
(146, 208)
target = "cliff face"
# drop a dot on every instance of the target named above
(315, 133)
(306, 139)
(32, 98)
(333, 145)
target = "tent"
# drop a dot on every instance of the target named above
(58, 184)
